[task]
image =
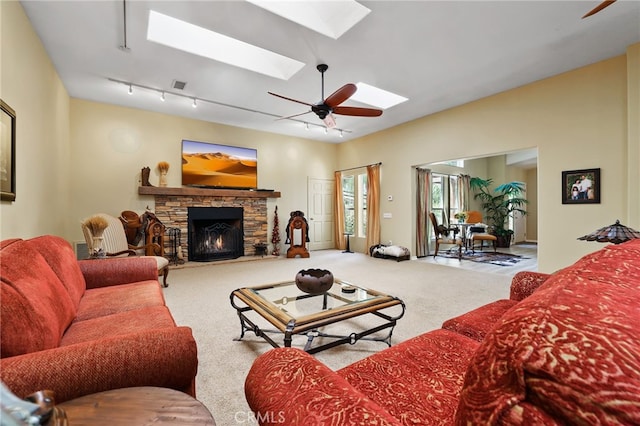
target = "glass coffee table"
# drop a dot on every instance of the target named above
(293, 312)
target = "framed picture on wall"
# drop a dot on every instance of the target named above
(7, 152)
(581, 186)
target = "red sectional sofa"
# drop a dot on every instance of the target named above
(80, 327)
(565, 349)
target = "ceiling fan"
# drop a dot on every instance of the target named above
(331, 105)
(599, 7)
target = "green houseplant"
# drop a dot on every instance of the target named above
(499, 204)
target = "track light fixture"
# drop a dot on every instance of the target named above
(162, 94)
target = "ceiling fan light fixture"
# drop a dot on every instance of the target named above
(181, 35)
(329, 121)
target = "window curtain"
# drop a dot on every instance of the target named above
(423, 201)
(338, 213)
(373, 206)
(464, 191)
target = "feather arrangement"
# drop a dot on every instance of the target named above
(163, 167)
(97, 225)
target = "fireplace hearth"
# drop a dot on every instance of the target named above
(215, 233)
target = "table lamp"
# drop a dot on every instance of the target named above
(616, 234)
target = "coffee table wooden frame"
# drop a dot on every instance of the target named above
(309, 324)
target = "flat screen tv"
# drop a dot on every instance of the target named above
(213, 165)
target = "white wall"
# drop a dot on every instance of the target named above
(30, 85)
(577, 120)
(111, 144)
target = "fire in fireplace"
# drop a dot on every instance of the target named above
(215, 233)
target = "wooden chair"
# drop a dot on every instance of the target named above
(443, 235)
(114, 243)
(297, 236)
(478, 233)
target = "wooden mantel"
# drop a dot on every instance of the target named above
(206, 192)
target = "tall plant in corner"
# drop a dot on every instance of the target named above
(499, 204)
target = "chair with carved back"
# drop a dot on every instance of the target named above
(443, 235)
(478, 232)
(297, 235)
(114, 243)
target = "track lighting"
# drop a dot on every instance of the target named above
(162, 94)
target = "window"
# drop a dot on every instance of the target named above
(348, 195)
(362, 206)
(354, 195)
(445, 196)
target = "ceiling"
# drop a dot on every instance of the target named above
(437, 54)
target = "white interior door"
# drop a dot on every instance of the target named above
(320, 213)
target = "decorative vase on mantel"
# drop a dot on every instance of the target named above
(163, 178)
(163, 168)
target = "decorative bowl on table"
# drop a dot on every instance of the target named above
(314, 281)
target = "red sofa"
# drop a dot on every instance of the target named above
(567, 353)
(80, 327)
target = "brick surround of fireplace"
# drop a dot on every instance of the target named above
(172, 204)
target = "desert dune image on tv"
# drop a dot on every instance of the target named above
(219, 166)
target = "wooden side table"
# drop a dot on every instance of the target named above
(137, 406)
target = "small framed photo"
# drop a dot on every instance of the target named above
(7, 152)
(581, 186)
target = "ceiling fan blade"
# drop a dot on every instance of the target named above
(289, 99)
(341, 95)
(599, 8)
(292, 116)
(361, 112)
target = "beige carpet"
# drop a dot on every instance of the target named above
(198, 297)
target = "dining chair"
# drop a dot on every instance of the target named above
(478, 231)
(443, 235)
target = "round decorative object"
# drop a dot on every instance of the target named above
(314, 281)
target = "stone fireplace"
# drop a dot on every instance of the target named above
(174, 204)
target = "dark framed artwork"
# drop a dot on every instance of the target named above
(581, 186)
(7, 153)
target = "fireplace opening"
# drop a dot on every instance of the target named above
(215, 233)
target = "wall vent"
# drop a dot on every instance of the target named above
(179, 85)
(81, 249)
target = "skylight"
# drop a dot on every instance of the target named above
(330, 18)
(200, 41)
(380, 98)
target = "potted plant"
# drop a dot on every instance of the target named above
(499, 204)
